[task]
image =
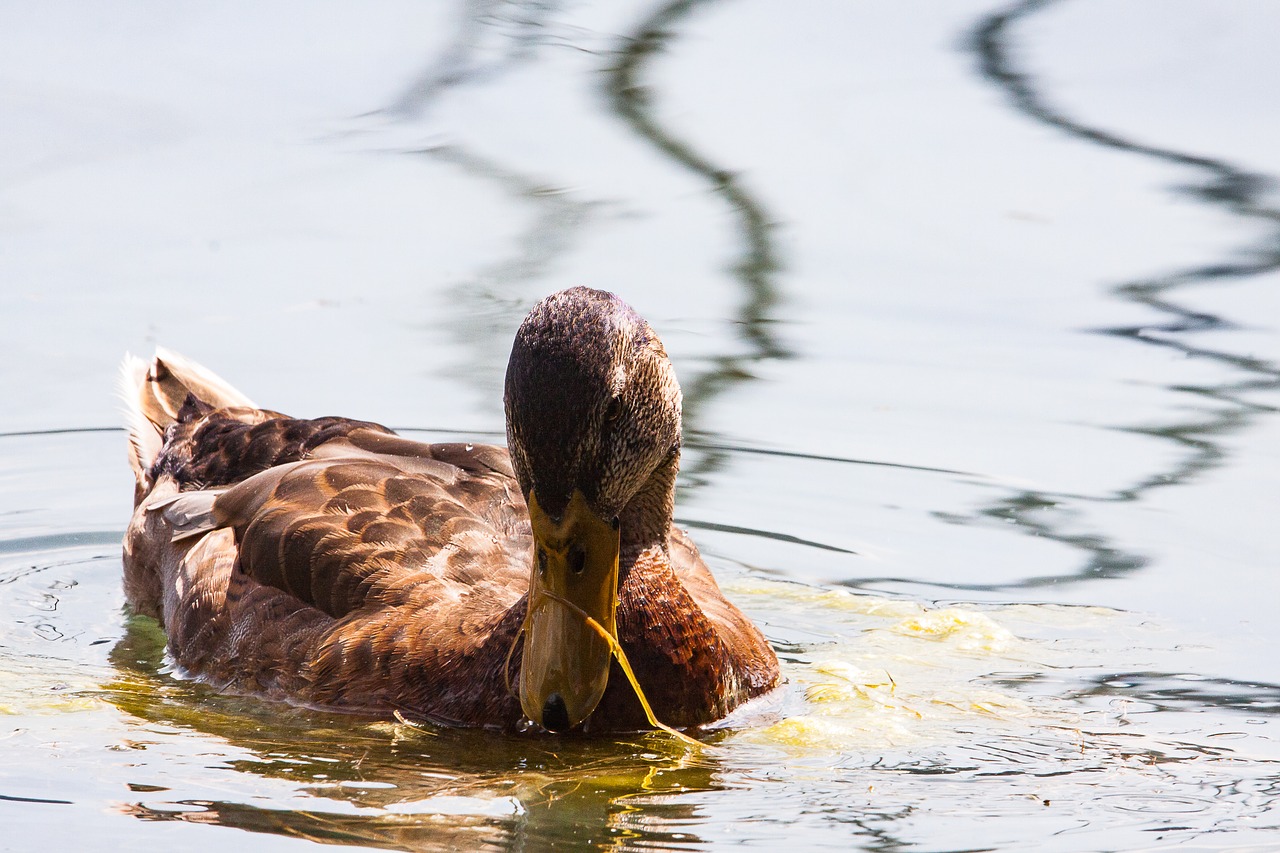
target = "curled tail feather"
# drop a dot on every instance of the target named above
(154, 394)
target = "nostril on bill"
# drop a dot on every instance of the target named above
(555, 716)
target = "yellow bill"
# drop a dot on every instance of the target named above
(565, 666)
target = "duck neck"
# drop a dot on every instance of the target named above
(646, 519)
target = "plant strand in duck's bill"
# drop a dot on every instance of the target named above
(618, 654)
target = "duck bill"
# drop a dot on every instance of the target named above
(566, 661)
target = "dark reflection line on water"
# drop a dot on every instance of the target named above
(491, 433)
(757, 268)
(494, 37)
(63, 431)
(59, 541)
(44, 566)
(1169, 691)
(458, 63)
(522, 28)
(527, 26)
(1240, 192)
(12, 799)
(763, 534)
(492, 301)
(819, 457)
(868, 583)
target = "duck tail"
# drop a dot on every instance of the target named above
(154, 394)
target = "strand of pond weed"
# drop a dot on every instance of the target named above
(619, 655)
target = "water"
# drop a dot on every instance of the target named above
(975, 311)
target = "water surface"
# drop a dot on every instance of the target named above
(975, 312)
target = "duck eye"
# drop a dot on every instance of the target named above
(614, 410)
(542, 563)
(577, 560)
(616, 523)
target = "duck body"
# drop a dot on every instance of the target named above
(332, 563)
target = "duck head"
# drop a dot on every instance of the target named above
(593, 427)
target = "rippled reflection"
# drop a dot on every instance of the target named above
(488, 306)
(755, 271)
(495, 38)
(1200, 435)
(356, 781)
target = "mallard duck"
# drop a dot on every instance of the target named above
(335, 564)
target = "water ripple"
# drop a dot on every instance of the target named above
(59, 541)
(763, 534)
(1240, 192)
(756, 268)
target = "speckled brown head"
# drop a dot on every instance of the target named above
(593, 426)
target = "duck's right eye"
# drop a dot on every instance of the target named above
(613, 412)
(542, 563)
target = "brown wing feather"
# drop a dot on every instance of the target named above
(217, 447)
(376, 576)
(334, 531)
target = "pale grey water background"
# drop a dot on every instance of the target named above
(976, 311)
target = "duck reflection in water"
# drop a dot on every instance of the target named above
(349, 779)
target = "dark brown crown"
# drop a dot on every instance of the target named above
(591, 399)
